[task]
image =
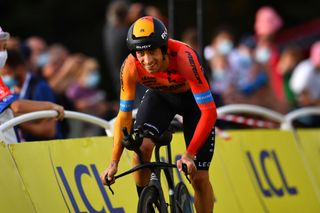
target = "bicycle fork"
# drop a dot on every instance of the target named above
(155, 181)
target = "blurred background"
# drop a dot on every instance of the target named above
(79, 24)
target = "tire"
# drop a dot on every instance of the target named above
(149, 200)
(182, 199)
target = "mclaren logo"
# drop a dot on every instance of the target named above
(143, 47)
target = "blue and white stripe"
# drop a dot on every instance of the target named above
(126, 106)
(203, 97)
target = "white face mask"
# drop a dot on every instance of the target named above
(3, 58)
(262, 55)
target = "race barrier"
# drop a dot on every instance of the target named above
(254, 171)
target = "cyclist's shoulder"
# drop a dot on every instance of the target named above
(176, 45)
(128, 68)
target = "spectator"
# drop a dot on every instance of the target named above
(10, 106)
(289, 59)
(267, 24)
(217, 55)
(114, 37)
(87, 98)
(305, 83)
(57, 55)
(38, 47)
(249, 78)
(30, 87)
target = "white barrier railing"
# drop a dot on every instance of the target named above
(284, 120)
(291, 116)
(51, 114)
(251, 109)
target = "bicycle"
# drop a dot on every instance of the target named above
(152, 197)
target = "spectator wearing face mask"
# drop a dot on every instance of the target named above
(9, 103)
(249, 79)
(30, 87)
(217, 56)
(266, 26)
(88, 98)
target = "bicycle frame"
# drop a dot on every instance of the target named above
(155, 177)
(155, 168)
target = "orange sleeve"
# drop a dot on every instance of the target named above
(191, 69)
(128, 80)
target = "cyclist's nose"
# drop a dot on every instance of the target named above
(148, 59)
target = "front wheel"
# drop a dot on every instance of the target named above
(182, 199)
(149, 201)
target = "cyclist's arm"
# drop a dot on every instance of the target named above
(189, 64)
(128, 78)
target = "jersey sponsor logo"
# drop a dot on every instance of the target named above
(165, 87)
(126, 106)
(203, 97)
(193, 66)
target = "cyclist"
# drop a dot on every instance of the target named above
(177, 85)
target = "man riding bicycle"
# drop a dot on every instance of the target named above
(177, 85)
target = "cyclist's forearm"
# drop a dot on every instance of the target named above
(121, 122)
(203, 129)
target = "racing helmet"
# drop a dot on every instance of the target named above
(147, 33)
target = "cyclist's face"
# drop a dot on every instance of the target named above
(151, 60)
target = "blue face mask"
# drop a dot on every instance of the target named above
(92, 79)
(262, 55)
(245, 60)
(225, 47)
(42, 60)
(218, 74)
(9, 81)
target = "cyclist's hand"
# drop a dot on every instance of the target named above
(109, 173)
(187, 159)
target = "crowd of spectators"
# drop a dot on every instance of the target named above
(251, 70)
(256, 71)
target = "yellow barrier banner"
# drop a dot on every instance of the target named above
(310, 142)
(235, 168)
(13, 195)
(277, 169)
(35, 167)
(255, 171)
(78, 164)
(225, 199)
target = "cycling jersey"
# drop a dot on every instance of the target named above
(184, 73)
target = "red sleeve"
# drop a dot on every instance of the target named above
(191, 69)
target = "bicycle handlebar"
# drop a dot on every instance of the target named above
(134, 144)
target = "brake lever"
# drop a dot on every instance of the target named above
(185, 170)
(108, 182)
